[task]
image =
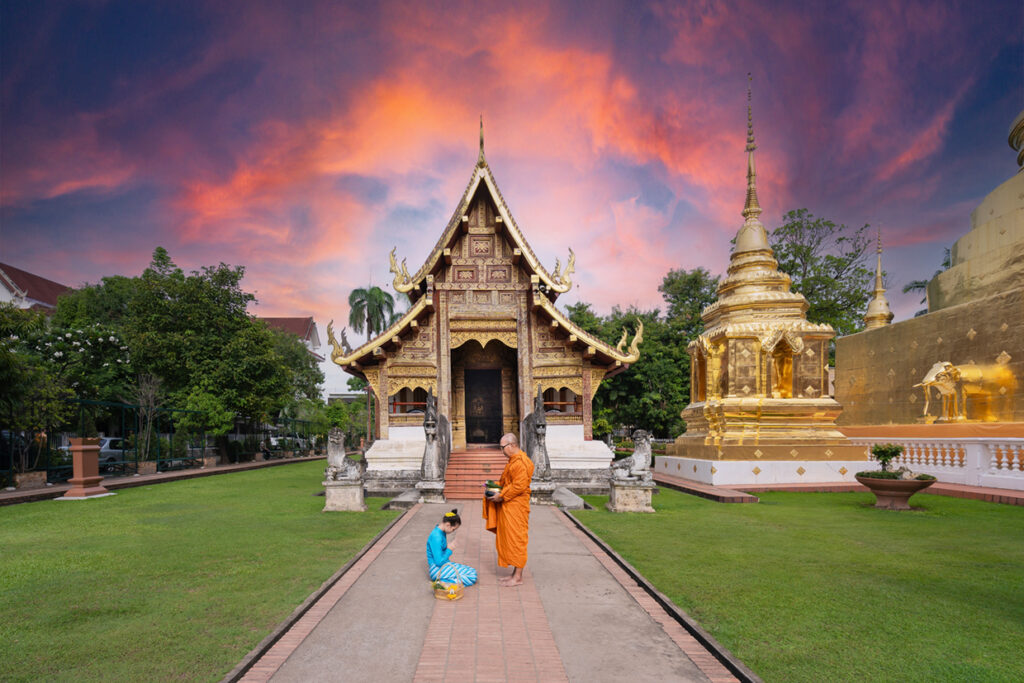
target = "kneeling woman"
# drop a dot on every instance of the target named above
(439, 552)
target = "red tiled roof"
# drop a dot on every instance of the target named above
(34, 286)
(297, 326)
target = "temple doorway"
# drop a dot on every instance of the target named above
(483, 406)
(484, 393)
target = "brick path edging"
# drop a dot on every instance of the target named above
(734, 665)
(264, 646)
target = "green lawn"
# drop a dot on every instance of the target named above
(175, 581)
(820, 586)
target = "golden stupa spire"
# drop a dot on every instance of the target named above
(754, 291)
(751, 207)
(480, 160)
(878, 313)
(752, 236)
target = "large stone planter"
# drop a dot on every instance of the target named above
(894, 494)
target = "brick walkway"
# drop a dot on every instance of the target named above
(492, 633)
(381, 622)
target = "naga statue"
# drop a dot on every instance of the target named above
(535, 428)
(636, 467)
(438, 442)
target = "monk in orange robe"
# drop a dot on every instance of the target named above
(508, 512)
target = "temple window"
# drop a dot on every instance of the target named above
(407, 401)
(563, 400)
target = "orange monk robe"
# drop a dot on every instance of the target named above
(510, 519)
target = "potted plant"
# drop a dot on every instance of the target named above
(892, 488)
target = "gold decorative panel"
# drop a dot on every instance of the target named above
(464, 273)
(502, 273)
(480, 246)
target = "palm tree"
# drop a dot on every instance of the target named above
(370, 309)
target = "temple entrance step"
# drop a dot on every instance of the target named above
(468, 470)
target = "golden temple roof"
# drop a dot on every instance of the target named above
(546, 287)
(556, 282)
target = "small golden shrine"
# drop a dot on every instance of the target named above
(483, 334)
(759, 384)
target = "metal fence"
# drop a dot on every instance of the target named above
(127, 441)
(132, 443)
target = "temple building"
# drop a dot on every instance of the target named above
(483, 336)
(759, 407)
(956, 369)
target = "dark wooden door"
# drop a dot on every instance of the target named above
(483, 406)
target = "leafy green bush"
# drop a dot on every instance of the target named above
(880, 474)
(885, 453)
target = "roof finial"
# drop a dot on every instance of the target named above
(878, 314)
(480, 161)
(751, 208)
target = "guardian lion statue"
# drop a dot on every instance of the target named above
(636, 467)
(339, 466)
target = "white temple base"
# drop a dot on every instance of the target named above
(758, 472)
(567, 450)
(402, 450)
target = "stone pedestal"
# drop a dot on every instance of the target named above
(630, 496)
(541, 492)
(431, 491)
(211, 459)
(344, 496)
(86, 480)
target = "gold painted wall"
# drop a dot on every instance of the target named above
(876, 370)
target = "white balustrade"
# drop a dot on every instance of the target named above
(997, 463)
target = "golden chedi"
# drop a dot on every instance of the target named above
(759, 383)
(955, 370)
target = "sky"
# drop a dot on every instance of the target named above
(304, 140)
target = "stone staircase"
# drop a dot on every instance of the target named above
(468, 470)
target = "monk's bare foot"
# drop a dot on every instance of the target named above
(513, 582)
(504, 581)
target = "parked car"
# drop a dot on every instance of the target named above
(113, 450)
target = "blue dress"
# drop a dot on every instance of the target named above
(437, 559)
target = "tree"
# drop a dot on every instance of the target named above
(688, 293)
(192, 333)
(370, 309)
(828, 265)
(653, 392)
